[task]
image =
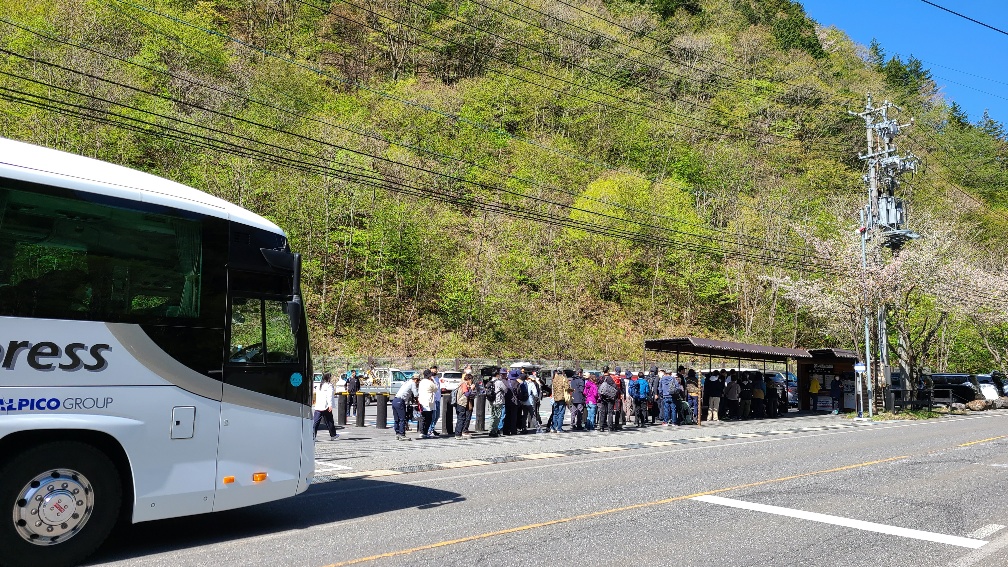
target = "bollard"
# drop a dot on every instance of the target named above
(361, 402)
(480, 410)
(446, 416)
(382, 420)
(341, 402)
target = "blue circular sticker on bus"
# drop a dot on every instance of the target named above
(296, 379)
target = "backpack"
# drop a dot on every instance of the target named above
(685, 413)
(635, 389)
(643, 388)
(454, 395)
(533, 390)
(511, 395)
(523, 394)
(608, 391)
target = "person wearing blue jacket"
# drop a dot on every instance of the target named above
(667, 386)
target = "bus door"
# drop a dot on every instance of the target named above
(262, 409)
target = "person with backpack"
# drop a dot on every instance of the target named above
(462, 398)
(667, 385)
(640, 390)
(608, 391)
(523, 403)
(745, 396)
(352, 387)
(654, 400)
(772, 400)
(561, 395)
(591, 400)
(577, 402)
(512, 405)
(497, 403)
(616, 423)
(693, 393)
(731, 396)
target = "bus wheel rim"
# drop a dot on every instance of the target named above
(53, 507)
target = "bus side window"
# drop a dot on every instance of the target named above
(246, 330)
(280, 343)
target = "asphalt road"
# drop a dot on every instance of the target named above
(816, 490)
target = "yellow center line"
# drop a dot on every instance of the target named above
(983, 440)
(606, 512)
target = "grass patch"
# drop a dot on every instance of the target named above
(908, 414)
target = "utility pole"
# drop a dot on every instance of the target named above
(883, 216)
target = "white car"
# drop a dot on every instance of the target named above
(450, 379)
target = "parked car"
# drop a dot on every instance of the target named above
(789, 381)
(450, 379)
(964, 387)
(989, 388)
(526, 366)
(1001, 380)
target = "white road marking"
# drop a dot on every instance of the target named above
(606, 449)
(463, 464)
(534, 456)
(331, 467)
(986, 531)
(846, 522)
(379, 472)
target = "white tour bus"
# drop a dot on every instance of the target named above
(154, 355)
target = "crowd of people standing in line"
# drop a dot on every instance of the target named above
(602, 402)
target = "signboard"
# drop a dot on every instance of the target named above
(824, 403)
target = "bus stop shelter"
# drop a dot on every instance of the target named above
(822, 364)
(722, 350)
(690, 349)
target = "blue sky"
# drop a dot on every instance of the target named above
(968, 61)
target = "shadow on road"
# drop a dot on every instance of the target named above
(322, 504)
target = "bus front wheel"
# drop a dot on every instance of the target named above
(65, 498)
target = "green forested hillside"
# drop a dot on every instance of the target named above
(556, 178)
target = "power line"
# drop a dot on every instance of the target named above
(679, 243)
(401, 186)
(965, 17)
(965, 72)
(971, 88)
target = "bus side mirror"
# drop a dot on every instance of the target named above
(295, 312)
(295, 309)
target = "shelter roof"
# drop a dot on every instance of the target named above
(694, 345)
(833, 354)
